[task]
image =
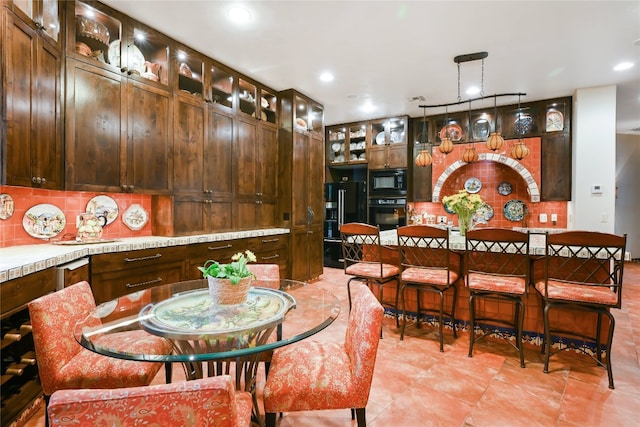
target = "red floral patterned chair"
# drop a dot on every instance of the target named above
(267, 275)
(363, 259)
(64, 364)
(312, 375)
(497, 268)
(428, 266)
(211, 401)
(581, 270)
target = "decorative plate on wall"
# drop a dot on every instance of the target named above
(514, 210)
(6, 206)
(473, 185)
(448, 210)
(481, 128)
(44, 221)
(524, 124)
(104, 206)
(504, 188)
(483, 214)
(454, 130)
(135, 217)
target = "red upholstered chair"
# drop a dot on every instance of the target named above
(362, 254)
(428, 266)
(210, 401)
(312, 375)
(267, 275)
(65, 364)
(582, 270)
(497, 268)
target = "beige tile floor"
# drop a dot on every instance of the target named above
(416, 385)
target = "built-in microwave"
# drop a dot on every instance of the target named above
(388, 182)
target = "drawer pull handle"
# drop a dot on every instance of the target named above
(264, 258)
(148, 282)
(220, 247)
(144, 258)
(16, 369)
(270, 240)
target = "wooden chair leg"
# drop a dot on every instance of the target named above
(472, 321)
(270, 419)
(360, 415)
(168, 371)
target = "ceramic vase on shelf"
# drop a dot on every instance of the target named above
(224, 292)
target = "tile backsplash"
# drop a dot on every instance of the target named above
(71, 203)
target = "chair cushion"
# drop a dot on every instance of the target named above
(186, 403)
(314, 384)
(91, 370)
(579, 293)
(428, 276)
(372, 270)
(500, 284)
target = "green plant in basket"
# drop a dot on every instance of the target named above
(234, 271)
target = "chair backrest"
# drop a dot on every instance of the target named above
(422, 246)
(267, 275)
(361, 244)
(53, 319)
(207, 401)
(362, 338)
(586, 258)
(498, 251)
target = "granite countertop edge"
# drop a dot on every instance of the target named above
(19, 261)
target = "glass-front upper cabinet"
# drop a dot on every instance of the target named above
(94, 34)
(247, 94)
(222, 86)
(257, 101)
(357, 143)
(147, 54)
(316, 118)
(389, 131)
(45, 15)
(336, 145)
(190, 75)
(309, 115)
(268, 105)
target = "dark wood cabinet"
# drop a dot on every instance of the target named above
(32, 98)
(420, 177)
(555, 168)
(19, 380)
(44, 16)
(255, 159)
(302, 153)
(388, 149)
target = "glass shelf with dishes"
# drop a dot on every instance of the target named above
(222, 86)
(257, 101)
(147, 54)
(347, 144)
(309, 115)
(95, 34)
(190, 72)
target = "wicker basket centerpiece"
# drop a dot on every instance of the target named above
(229, 283)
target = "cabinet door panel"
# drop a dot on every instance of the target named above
(377, 157)
(300, 180)
(189, 132)
(316, 178)
(19, 85)
(94, 128)
(246, 159)
(48, 123)
(245, 214)
(556, 167)
(218, 215)
(188, 215)
(218, 152)
(149, 163)
(397, 156)
(268, 162)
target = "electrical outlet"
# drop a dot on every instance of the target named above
(604, 217)
(554, 217)
(543, 217)
(442, 219)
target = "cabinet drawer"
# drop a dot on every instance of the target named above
(113, 284)
(267, 243)
(18, 292)
(135, 259)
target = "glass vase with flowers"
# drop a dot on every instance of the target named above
(464, 205)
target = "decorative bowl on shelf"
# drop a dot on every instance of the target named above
(88, 28)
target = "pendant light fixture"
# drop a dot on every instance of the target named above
(495, 141)
(446, 146)
(470, 154)
(519, 150)
(424, 159)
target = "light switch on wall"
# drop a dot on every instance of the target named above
(543, 217)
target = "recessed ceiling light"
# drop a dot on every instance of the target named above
(239, 14)
(623, 66)
(326, 77)
(473, 90)
(368, 107)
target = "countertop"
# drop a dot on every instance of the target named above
(18, 261)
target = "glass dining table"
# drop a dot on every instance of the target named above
(224, 339)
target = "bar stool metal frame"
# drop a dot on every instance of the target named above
(497, 267)
(362, 254)
(427, 266)
(582, 270)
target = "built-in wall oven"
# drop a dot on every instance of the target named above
(388, 212)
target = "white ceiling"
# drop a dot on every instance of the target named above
(387, 52)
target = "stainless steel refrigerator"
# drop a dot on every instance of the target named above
(344, 202)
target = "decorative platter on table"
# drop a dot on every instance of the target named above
(472, 185)
(505, 188)
(514, 210)
(135, 217)
(454, 130)
(104, 206)
(44, 221)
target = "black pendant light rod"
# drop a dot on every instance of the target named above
(497, 95)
